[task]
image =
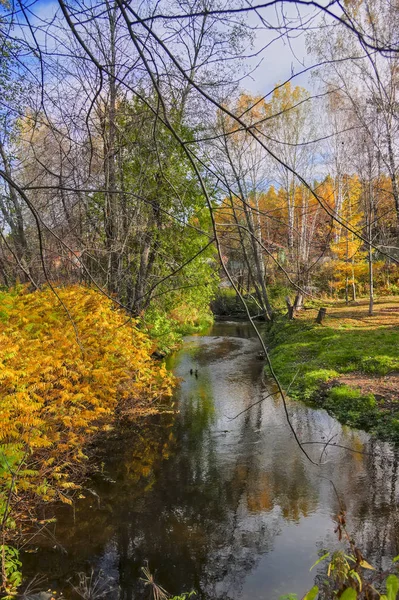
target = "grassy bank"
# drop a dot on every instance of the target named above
(348, 365)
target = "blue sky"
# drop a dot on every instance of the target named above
(275, 64)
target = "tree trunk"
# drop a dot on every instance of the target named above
(371, 281)
(370, 248)
(290, 308)
(111, 196)
(353, 291)
(257, 254)
(298, 303)
(14, 218)
(392, 174)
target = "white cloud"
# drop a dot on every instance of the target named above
(280, 54)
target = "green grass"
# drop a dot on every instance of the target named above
(315, 353)
(351, 408)
(307, 356)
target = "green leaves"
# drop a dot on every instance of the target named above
(184, 596)
(312, 594)
(339, 574)
(11, 570)
(349, 594)
(392, 585)
(319, 560)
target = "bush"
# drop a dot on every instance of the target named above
(226, 302)
(278, 294)
(167, 329)
(62, 377)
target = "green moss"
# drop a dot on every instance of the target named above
(314, 379)
(306, 347)
(350, 407)
(306, 356)
(380, 365)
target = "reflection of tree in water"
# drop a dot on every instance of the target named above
(198, 517)
(201, 538)
(133, 457)
(202, 505)
(372, 502)
(212, 528)
(367, 485)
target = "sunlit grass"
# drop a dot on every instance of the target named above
(306, 356)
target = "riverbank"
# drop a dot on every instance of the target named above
(349, 365)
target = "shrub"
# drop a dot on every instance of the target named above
(62, 377)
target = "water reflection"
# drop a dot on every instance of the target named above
(224, 504)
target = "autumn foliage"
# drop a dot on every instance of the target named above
(62, 382)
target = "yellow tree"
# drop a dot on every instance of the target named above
(349, 257)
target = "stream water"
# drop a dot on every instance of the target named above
(219, 500)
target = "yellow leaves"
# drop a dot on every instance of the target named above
(366, 565)
(69, 485)
(285, 97)
(64, 499)
(53, 399)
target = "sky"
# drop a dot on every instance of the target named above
(277, 64)
(274, 58)
(279, 57)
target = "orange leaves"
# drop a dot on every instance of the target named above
(53, 397)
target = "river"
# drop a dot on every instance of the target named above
(219, 500)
